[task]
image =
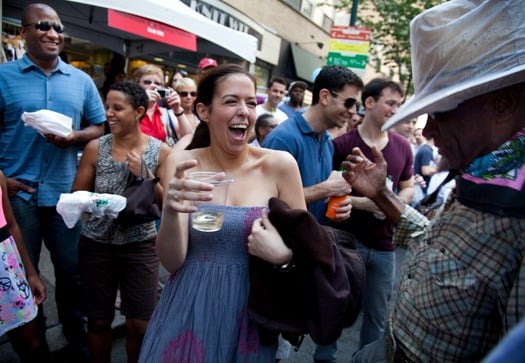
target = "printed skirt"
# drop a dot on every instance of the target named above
(17, 306)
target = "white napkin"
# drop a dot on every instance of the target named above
(49, 122)
(71, 205)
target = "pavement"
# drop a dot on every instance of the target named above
(347, 344)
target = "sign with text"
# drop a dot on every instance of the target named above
(152, 30)
(349, 47)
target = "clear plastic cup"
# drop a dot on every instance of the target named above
(209, 216)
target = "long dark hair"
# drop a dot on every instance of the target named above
(205, 91)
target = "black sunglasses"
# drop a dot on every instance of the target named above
(348, 103)
(185, 94)
(45, 26)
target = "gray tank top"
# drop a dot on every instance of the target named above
(113, 177)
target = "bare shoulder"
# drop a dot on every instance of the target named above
(91, 146)
(282, 168)
(278, 163)
(181, 155)
(164, 151)
(276, 158)
(90, 151)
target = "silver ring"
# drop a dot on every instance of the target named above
(176, 197)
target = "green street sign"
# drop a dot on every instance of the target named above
(355, 61)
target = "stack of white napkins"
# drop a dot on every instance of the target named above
(71, 205)
(49, 122)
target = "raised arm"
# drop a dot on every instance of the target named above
(172, 239)
(368, 178)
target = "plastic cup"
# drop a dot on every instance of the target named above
(209, 216)
(333, 203)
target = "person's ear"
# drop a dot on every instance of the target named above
(506, 111)
(369, 102)
(23, 32)
(505, 105)
(506, 100)
(324, 94)
(203, 111)
(140, 112)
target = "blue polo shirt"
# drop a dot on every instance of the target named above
(289, 111)
(313, 154)
(25, 154)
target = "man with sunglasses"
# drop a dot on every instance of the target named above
(40, 168)
(381, 97)
(305, 136)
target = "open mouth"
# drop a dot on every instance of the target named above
(238, 131)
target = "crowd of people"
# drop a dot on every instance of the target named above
(461, 287)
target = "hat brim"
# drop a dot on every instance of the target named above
(450, 97)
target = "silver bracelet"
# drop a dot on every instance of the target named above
(286, 267)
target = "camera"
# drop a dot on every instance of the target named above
(163, 92)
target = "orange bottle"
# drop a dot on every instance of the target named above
(333, 203)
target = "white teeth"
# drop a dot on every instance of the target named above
(244, 127)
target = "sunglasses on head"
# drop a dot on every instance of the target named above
(45, 26)
(348, 103)
(186, 94)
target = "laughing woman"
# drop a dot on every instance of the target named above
(202, 313)
(112, 255)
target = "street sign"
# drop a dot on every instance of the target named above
(349, 46)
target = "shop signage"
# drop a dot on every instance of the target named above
(225, 18)
(152, 30)
(349, 46)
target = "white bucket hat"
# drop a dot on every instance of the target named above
(462, 49)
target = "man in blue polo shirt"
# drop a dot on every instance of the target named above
(335, 93)
(40, 168)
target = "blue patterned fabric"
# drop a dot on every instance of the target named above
(202, 313)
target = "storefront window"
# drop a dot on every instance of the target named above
(262, 76)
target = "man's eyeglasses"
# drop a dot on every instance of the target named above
(348, 103)
(186, 94)
(147, 82)
(45, 26)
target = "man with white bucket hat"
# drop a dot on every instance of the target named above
(463, 280)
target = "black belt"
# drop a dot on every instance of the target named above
(4, 233)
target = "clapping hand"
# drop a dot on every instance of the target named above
(365, 176)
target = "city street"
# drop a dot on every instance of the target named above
(346, 344)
